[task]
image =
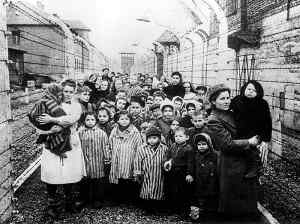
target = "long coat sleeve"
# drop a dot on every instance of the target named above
(238, 196)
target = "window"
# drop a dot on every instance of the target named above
(16, 37)
(231, 7)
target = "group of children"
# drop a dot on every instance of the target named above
(152, 145)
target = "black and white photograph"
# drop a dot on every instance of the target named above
(150, 111)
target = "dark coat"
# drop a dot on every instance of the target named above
(237, 195)
(174, 90)
(252, 117)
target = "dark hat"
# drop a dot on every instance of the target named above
(215, 90)
(154, 106)
(138, 100)
(153, 131)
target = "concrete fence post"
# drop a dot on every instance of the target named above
(6, 191)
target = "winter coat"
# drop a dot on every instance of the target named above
(252, 117)
(206, 171)
(237, 195)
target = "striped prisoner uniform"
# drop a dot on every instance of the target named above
(124, 146)
(149, 163)
(95, 147)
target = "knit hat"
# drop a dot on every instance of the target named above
(153, 131)
(215, 90)
(203, 137)
(165, 104)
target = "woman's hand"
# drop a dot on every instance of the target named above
(45, 119)
(56, 128)
(264, 150)
(253, 141)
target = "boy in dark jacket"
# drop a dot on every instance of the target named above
(164, 122)
(198, 120)
(252, 117)
(179, 173)
(205, 175)
(135, 110)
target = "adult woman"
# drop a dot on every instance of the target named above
(238, 195)
(56, 171)
(190, 93)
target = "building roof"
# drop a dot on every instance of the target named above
(168, 37)
(21, 13)
(76, 25)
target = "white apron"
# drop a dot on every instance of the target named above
(70, 169)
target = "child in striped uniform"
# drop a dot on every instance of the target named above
(95, 147)
(124, 141)
(148, 170)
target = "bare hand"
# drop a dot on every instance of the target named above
(55, 129)
(253, 141)
(189, 179)
(45, 119)
(264, 150)
(167, 166)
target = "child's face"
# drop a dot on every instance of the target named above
(135, 108)
(121, 95)
(118, 84)
(175, 79)
(153, 140)
(158, 100)
(149, 102)
(198, 121)
(104, 85)
(187, 87)
(90, 121)
(84, 96)
(174, 125)
(180, 137)
(191, 110)
(156, 112)
(121, 104)
(178, 104)
(250, 91)
(103, 117)
(127, 85)
(124, 120)
(168, 113)
(202, 146)
(144, 127)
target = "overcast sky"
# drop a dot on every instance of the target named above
(113, 22)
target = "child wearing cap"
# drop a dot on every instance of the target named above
(135, 110)
(84, 100)
(148, 170)
(206, 176)
(164, 122)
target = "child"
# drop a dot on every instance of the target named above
(94, 144)
(206, 176)
(155, 112)
(186, 121)
(158, 97)
(178, 104)
(252, 116)
(148, 170)
(198, 120)
(179, 167)
(170, 140)
(124, 141)
(121, 104)
(164, 122)
(55, 138)
(135, 110)
(104, 120)
(176, 88)
(144, 127)
(83, 98)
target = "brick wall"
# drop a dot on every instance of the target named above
(5, 153)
